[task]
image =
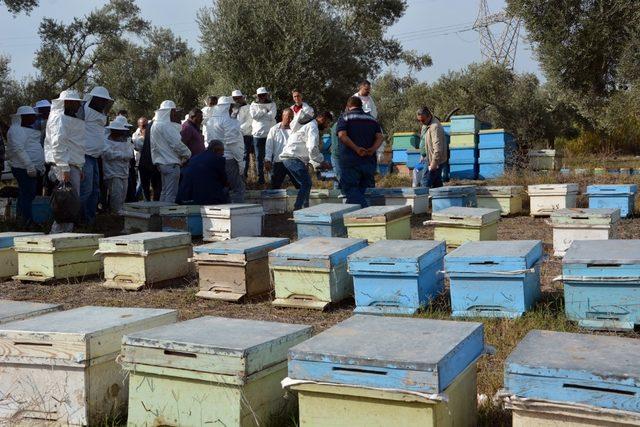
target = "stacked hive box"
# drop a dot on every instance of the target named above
(413, 158)
(544, 160)
(506, 198)
(145, 259)
(8, 256)
(446, 126)
(222, 222)
(497, 150)
(403, 141)
(546, 198)
(379, 223)
(613, 196)
(182, 218)
(11, 311)
(397, 276)
(274, 201)
(582, 224)
(60, 368)
(325, 220)
(445, 197)
(312, 273)
(42, 258)
(459, 225)
(233, 269)
(494, 279)
(602, 283)
(375, 196)
(562, 379)
(377, 371)
(143, 216)
(41, 210)
(417, 198)
(321, 195)
(209, 371)
(463, 147)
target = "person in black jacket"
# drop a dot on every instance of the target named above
(204, 179)
(149, 174)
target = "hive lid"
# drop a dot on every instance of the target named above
(242, 346)
(181, 210)
(377, 214)
(492, 131)
(594, 190)
(324, 193)
(143, 243)
(232, 208)
(77, 335)
(552, 189)
(324, 212)
(152, 207)
(590, 216)
(16, 310)
(452, 190)
(542, 153)
(306, 251)
(466, 216)
(397, 256)
(393, 352)
(406, 191)
(241, 245)
(6, 239)
(492, 256)
(500, 190)
(277, 193)
(50, 242)
(604, 252)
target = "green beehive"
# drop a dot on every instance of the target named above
(405, 140)
(463, 140)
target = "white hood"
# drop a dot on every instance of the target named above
(94, 122)
(167, 147)
(223, 128)
(64, 144)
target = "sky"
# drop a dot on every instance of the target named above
(440, 28)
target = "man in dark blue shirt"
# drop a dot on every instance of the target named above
(204, 180)
(360, 137)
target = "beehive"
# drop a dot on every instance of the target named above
(544, 160)
(465, 124)
(60, 368)
(399, 156)
(274, 201)
(375, 196)
(497, 149)
(546, 198)
(508, 199)
(602, 283)
(143, 216)
(322, 195)
(582, 224)
(613, 197)
(233, 269)
(565, 379)
(208, 371)
(145, 259)
(17, 310)
(325, 220)
(463, 170)
(397, 276)
(405, 140)
(448, 196)
(345, 378)
(417, 198)
(8, 256)
(182, 218)
(413, 158)
(42, 258)
(463, 140)
(494, 279)
(222, 222)
(459, 225)
(312, 273)
(379, 223)
(253, 197)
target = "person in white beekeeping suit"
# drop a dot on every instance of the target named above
(168, 152)
(299, 105)
(263, 112)
(116, 161)
(243, 115)
(207, 110)
(97, 105)
(64, 144)
(26, 158)
(227, 129)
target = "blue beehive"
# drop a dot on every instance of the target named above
(494, 279)
(602, 283)
(576, 369)
(613, 196)
(465, 124)
(446, 197)
(375, 196)
(490, 170)
(323, 220)
(399, 353)
(458, 156)
(397, 276)
(399, 155)
(463, 171)
(413, 158)
(41, 210)
(494, 139)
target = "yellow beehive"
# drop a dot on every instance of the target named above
(458, 225)
(8, 256)
(379, 223)
(508, 199)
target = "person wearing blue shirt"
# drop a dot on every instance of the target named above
(360, 137)
(204, 179)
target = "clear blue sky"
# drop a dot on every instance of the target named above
(437, 27)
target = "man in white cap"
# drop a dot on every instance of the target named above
(168, 152)
(242, 114)
(227, 130)
(263, 113)
(116, 162)
(26, 158)
(64, 144)
(95, 118)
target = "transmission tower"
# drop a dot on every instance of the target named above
(498, 47)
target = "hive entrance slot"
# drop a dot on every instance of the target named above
(297, 259)
(382, 263)
(484, 263)
(37, 344)
(180, 354)
(600, 389)
(121, 244)
(597, 265)
(456, 217)
(358, 370)
(579, 217)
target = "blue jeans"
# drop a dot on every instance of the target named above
(432, 179)
(259, 149)
(299, 170)
(354, 181)
(26, 193)
(90, 188)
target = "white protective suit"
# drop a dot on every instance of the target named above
(222, 127)
(94, 123)
(64, 143)
(263, 118)
(276, 140)
(167, 147)
(206, 115)
(116, 158)
(303, 144)
(23, 149)
(246, 122)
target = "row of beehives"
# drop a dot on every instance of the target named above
(93, 365)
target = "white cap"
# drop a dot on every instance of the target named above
(43, 103)
(25, 110)
(167, 105)
(100, 92)
(119, 123)
(70, 95)
(225, 100)
(262, 91)
(236, 93)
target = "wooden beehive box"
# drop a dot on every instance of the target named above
(324, 220)
(322, 195)
(494, 279)
(209, 371)
(508, 199)
(145, 259)
(346, 378)
(182, 218)
(397, 276)
(613, 197)
(582, 224)
(601, 281)
(459, 225)
(8, 256)
(544, 160)
(449, 196)
(379, 223)
(233, 269)
(42, 258)
(17, 310)
(143, 216)
(60, 368)
(274, 201)
(546, 198)
(405, 140)
(222, 222)
(312, 272)
(417, 198)
(574, 379)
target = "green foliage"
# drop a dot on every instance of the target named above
(19, 6)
